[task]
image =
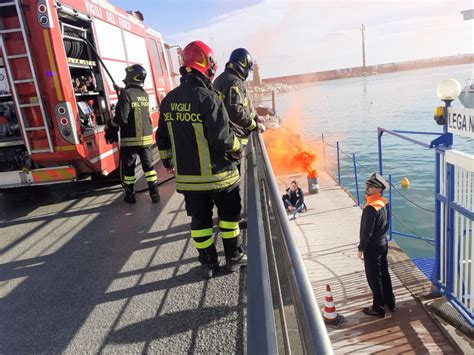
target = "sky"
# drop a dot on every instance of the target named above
(290, 37)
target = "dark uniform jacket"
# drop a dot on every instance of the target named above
(240, 109)
(296, 197)
(194, 131)
(374, 223)
(133, 116)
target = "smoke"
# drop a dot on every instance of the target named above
(286, 149)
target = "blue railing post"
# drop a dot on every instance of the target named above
(450, 231)
(437, 268)
(379, 138)
(390, 206)
(338, 165)
(355, 178)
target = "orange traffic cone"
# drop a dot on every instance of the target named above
(331, 317)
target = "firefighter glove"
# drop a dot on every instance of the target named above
(259, 119)
(111, 135)
(261, 127)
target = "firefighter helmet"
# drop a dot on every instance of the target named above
(241, 60)
(135, 74)
(200, 56)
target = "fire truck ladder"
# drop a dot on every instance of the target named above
(14, 8)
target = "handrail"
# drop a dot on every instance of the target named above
(313, 334)
(259, 100)
(261, 329)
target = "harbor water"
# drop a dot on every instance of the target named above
(350, 110)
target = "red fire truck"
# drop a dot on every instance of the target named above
(58, 63)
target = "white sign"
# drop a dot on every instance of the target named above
(461, 121)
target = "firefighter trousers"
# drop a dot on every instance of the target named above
(199, 206)
(128, 157)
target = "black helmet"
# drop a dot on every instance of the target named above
(241, 61)
(135, 74)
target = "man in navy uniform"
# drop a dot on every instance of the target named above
(373, 246)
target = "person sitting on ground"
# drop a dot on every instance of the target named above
(293, 200)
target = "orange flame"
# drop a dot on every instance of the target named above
(287, 153)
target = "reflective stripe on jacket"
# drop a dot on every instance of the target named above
(239, 107)
(194, 131)
(133, 116)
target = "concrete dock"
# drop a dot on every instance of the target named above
(327, 237)
(82, 272)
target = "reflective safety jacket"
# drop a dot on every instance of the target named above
(132, 115)
(374, 222)
(194, 131)
(240, 109)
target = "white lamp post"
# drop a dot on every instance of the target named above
(448, 90)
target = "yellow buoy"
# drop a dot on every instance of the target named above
(405, 182)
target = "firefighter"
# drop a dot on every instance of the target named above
(231, 88)
(132, 117)
(373, 246)
(197, 144)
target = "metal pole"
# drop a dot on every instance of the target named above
(362, 30)
(324, 152)
(447, 104)
(390, 207)
(273, 102)
(379, 139)
(261, 330)
(437, 268)
(355, 178)
(272, 267)
(311, 324)
(450, 231)
(338, 165)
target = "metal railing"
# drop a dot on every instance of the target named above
(454, 204)
(346, 175)
(454, 251)
(259, 97)
(279, 290)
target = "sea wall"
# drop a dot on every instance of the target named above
(371, 70)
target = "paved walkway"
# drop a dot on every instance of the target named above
(327, 237)
(81, 272)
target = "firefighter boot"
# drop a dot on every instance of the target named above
(129, 194)
(153, 188)
(210, 262)
(234, 255)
